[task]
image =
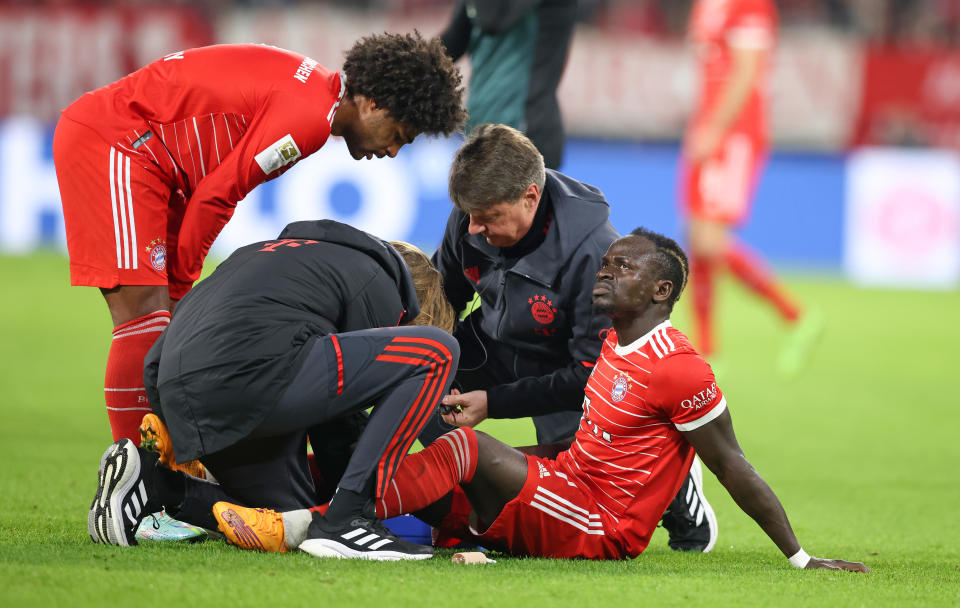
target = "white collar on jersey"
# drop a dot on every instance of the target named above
(633, 346)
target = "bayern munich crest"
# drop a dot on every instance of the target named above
(542, 309)
(621, 384)
(158, 254)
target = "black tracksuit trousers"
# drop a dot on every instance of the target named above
(401, 372)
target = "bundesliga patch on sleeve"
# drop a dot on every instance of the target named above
(282, 152)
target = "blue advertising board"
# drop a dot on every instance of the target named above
(797, 219)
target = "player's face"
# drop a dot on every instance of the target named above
(376, 133)
(504, 224)
(627, 277)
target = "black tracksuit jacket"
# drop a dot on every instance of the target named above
(237, 338)
(538, 312)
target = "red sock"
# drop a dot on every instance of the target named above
(123, 384)
(429, 475)
(702, 271)
(753, 273)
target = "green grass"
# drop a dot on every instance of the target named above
(862, 449)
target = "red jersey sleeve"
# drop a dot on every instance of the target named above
(683, 387)
(752, 25)
(283, 131)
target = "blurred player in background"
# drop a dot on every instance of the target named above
(281, 338)
(152, 166)
(518, 49)
(725, 148)
(650, 404)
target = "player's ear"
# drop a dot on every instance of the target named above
(662, 291)
(531, 196)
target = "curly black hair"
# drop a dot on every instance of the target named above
(413, 78)
(673, 261)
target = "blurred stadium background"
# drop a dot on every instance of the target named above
(862, 192)
(865, 179)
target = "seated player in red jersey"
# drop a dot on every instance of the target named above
(649, 406)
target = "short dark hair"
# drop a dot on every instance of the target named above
(495, 164)
(411, 77)
(673, 261)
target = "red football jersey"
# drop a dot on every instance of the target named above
(717, 27)
(629, 451)
(215, 122)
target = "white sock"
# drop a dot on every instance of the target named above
(295, 524)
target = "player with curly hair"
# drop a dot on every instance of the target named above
(152, 166)
(410, 78)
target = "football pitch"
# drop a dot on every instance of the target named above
(862, 449)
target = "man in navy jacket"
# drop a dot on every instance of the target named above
(528, 240)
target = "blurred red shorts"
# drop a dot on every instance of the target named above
(721, 188)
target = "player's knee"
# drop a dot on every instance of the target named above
(492, 452)
(705, 245)
(447, 345)
(484, 441)
(129, 302)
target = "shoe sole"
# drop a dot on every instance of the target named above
(91, 515)
(119, 470)
(696, 472)
(322, 547)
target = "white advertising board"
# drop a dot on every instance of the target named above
(902, 226)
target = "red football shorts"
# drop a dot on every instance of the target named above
(121, 218)
(551, 517)
(720, 189)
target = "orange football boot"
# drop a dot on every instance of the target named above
(251, 529)
(154, 437)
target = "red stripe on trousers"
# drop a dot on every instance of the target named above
(413, 414)
(416, 351)
(383, 466)
(407, 360)
(438, 345)
(406, 433)
(336, 347)
(414, 409)
(400, 438)
(431, 393)
(407, 430)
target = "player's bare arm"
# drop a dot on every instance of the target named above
(716, 444)
(703, 140)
